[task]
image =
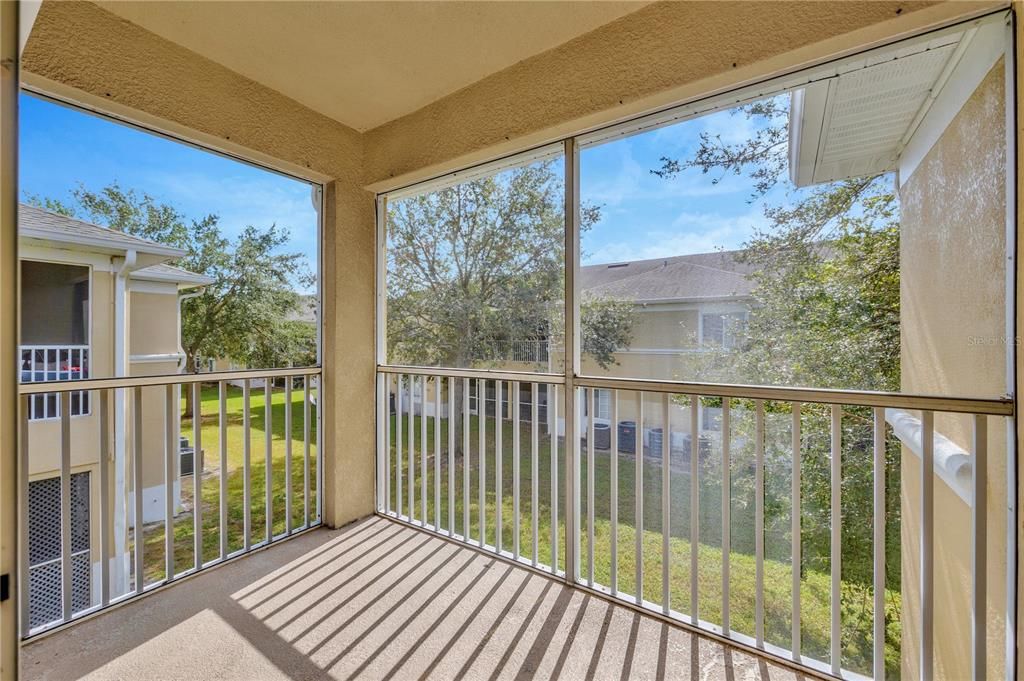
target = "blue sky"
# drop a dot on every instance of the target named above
(62, 148)
(643, 216)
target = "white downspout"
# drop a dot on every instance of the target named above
(120, 571)
(182, 297)
(182, 359)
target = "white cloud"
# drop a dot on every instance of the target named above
(688, 233)
(240, 201)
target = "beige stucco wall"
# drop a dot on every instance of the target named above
(652, 58)
(952, 293)
(90, 56)
(671, 329)
(154, 324)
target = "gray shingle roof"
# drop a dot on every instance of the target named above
(172, 273)
(38, 223)
(682, 277)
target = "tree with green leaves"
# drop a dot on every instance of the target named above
(244, 314)
(479, 264)
(825, 313)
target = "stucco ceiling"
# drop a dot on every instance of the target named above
(366, 63)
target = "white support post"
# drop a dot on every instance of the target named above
(795, 529)
(572, 358)
(836, 532)
(927, 544)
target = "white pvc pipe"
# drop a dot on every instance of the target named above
(952, 462)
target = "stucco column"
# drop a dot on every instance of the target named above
(348, 357)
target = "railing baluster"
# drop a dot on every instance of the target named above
(222, 445)
(423, 451)
(288, 455)
(399, 470)
(515, 469)
(726, 514)
(638, 497)
(795, 528)
(65, 504)
(382, 418)
(836, 537)
(140, 577)
(694, 507)
(613, 484)
(589, 392)
(437, 453)
(412, 449)
(197, 475)
(465, 459)
(318, 382)
(104, 514)
(170, 470)
(666, 501)
(759, 522)
(927, 540)
(878, 643)
(385, 466)
(32, 402)
(553, 427)
(268, 454)
(498, 433)
(481, 474)
(246, 465)
(979, 546)
(26, 405)
(451, 457)
(306, 434)
(534, 471)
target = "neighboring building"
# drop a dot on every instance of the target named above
(684, 304)
(95, 302)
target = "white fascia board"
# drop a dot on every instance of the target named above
(693, 301)
(43, 253)
(806, 119)
(144, 286)
(160, 252)
(168, 357)
(985, 48)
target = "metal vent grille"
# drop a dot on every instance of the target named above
(44, 545)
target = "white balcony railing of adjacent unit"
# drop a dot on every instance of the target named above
(531, 351)
(48, 363)
(596, 509)
(79, 556)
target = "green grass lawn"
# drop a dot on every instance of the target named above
(815, 588)
(184, 554)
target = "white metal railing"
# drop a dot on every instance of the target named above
(122, 560)
(533, 351)
(421, 451)
(468, 464)
(49, 363)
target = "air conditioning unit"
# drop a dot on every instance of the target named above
(186, 460)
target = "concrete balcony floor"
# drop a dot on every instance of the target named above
(380, 600)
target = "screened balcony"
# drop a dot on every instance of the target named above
(629, 363)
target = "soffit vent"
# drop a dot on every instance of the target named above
(855, 123)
